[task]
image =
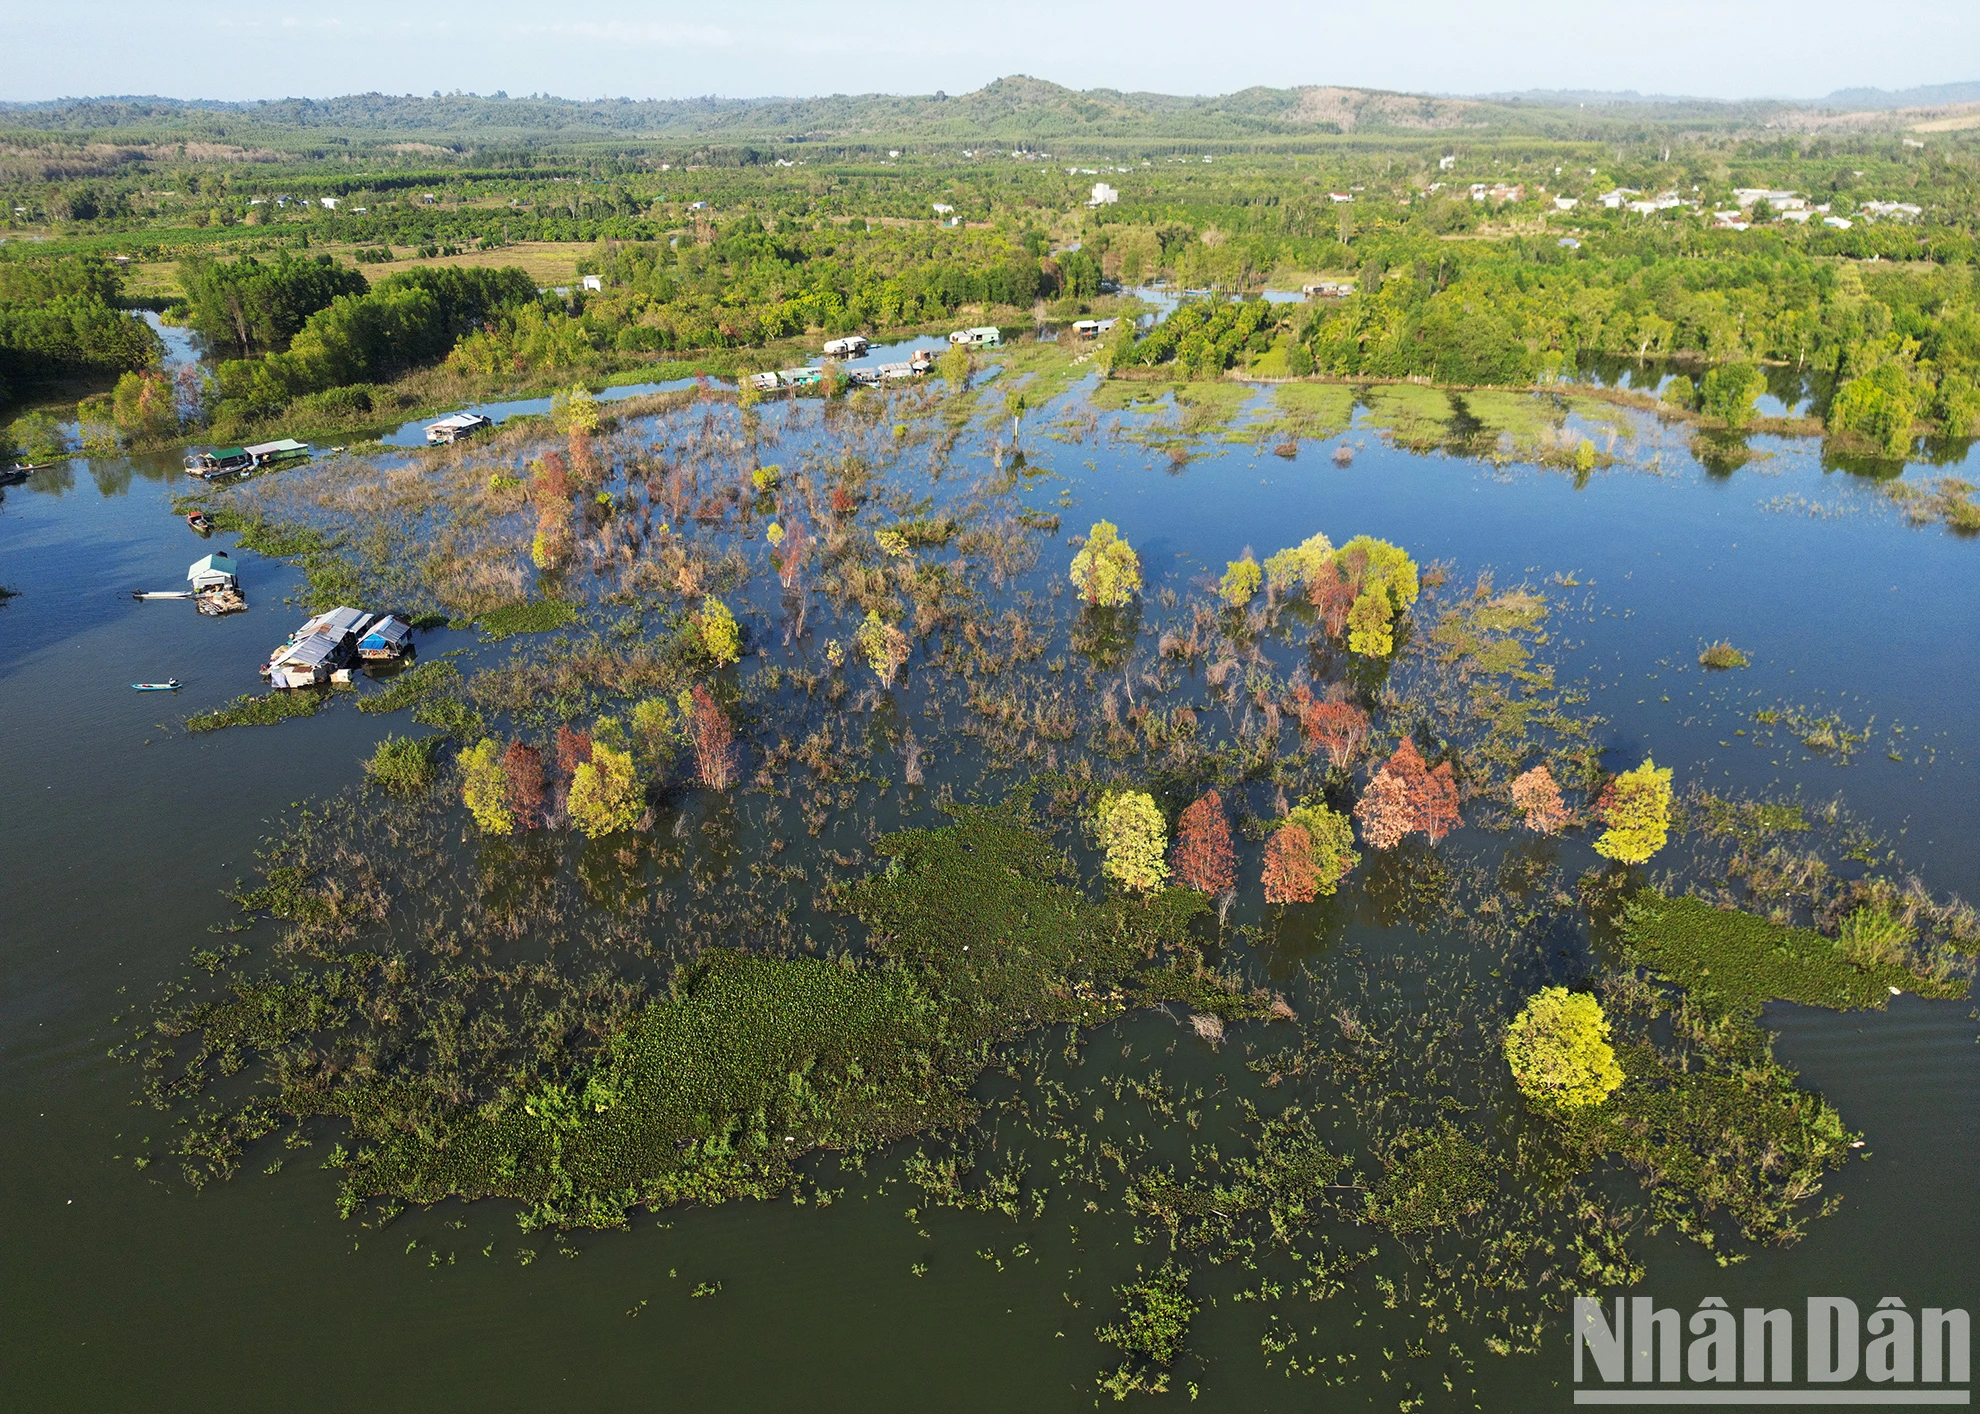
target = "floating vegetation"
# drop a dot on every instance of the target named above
(530, 616)
(1720, 656)
(262, 709)
(1730, 962)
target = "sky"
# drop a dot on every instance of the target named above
(239, 49)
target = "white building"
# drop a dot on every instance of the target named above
(1103, 195)
(329, 202)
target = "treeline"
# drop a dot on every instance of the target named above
(402, 322)
(1516, 312)
(60, 318)
(747, 286)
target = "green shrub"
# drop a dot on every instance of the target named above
(402, 765)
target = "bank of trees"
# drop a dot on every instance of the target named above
(253, 307)
(405, 321)
(60, 318)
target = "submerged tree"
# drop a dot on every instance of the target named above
(1538, 800)
(1335, 725)
(1299, 566)
(522, 784)
(721, 635)
(1408, 797)
(714, 740)
(1135, 839)
(1558, 1048)
(1203, 858)
(1106, 570)
(1361, 590)
(1240, 582)
(485, 787)
(1636, 807)
(1289, 875)
(884, 647)
(606, 795)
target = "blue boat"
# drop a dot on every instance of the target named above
(171, 686)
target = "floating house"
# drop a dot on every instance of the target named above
(319, 648)
(764, 382)
(1328, 289)
(1092, 328)
(452, 429)
(981, 335)
(852, 346)
(387, 639)
(262, 454)
(214, 571)
(220, 461)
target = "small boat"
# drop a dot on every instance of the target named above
(200, 521)
(172, 685)
(161, 594)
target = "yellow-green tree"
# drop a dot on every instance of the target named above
(606, 795)
(884, 647)
(955, 366)
(1106, 570)
(1240, 582)
(485, 787)
(656, 730)
(1289, 569)
(1558, 1048)
(1636, 807)
(721, 635)
(574, 408)
(1136, 841)
(1332, 834)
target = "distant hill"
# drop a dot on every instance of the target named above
(1014, 111)
(1931, 96)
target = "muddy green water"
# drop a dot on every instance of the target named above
(118, 831)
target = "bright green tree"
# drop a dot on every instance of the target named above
(606, 794)
(1729, 392)
(955, 366)
(656, 730)
(721, 635)
(485, 787)
(145, 406)
(1240, 582)
(1558, 1048)
(1636, 807)
(1136, 841)
(1877, 406)
(1106, 570)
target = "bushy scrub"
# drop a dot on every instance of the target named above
(1558, 1048)
(402, 765)
(1155, 1316)
(884, 647)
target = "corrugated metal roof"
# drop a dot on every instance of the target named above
(386, 630)
(338, 621)
(286, 444)
(209, 565)
(310, 652)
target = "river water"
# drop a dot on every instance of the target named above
(121, 832)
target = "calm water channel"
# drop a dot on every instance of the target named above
(120, 831)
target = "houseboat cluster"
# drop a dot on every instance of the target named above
(326, 646)
(220, 462)
(915, 367)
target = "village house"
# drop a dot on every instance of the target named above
(1103, 195)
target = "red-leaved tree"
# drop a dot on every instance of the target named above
(522, 768)
(1203, 858)
(1538, 799)
(1290, 875)
(573, 750)
(1383, 810)
(1334, 725)
(714, 740)
(1407, 797)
